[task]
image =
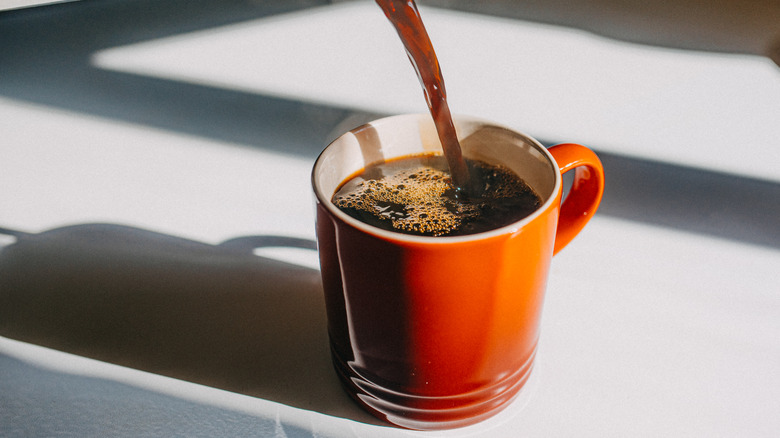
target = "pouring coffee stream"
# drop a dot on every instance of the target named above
(405, 17)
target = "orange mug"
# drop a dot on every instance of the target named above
(441, 332)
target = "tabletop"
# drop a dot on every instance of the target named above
(158, 272)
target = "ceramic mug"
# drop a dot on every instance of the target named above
(441, 332)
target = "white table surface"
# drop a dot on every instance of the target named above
(133, 147)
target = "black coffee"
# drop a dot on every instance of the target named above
(415, 195)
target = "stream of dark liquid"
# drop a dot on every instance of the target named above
(405, 17)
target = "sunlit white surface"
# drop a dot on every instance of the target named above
(557, 84)
(666, 332)
(62, 168)
(18, 4)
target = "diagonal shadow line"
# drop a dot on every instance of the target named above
(60, 75)
(662, 194)
(699, 201)
(46, 59)
(79, 405)
(216, 315)
(83, 27)
(236, 117)
(693, 200)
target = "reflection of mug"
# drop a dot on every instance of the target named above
(441, 332)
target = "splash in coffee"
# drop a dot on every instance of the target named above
(406, 20)
(416, 195)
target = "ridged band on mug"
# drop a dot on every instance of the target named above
(414, 411)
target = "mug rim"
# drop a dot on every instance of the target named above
(436, 240)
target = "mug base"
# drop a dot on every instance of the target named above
(429, 412)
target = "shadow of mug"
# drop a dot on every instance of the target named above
(213, 315)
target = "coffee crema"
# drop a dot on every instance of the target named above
(415, 195)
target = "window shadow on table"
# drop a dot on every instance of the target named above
(214, 315)
(48, 62)
(47, 59)
(86, 406)
(699, 201)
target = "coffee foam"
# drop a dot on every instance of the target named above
(413, 200)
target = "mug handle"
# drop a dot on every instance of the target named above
(586, 190)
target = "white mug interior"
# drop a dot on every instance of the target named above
(414, 134)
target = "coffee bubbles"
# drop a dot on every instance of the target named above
(415, 195)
